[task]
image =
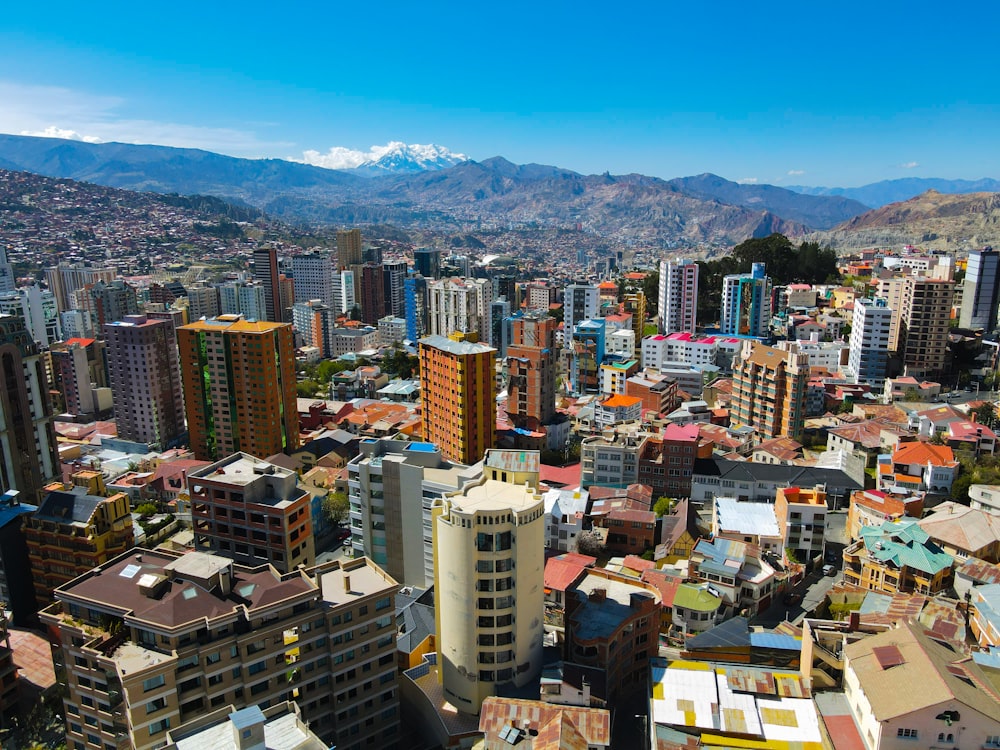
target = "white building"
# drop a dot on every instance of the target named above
(38, 308)
(313, 274)
(985, 497)
(830, 355)
(391, 330)
(248, 300)
(869, 346)
(678, 295)
(746, 303)
(621, 342)
(685, 350)
(343, 291)
(203, 302)
(581, 302)
(564, 514)
(459, 305)
(753, 523)
(617, 409)
(610, 461)
(7, 281)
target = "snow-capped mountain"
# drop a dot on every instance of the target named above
(403, 158)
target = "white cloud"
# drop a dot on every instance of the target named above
(747, 181)
(53, 132)
(909, 165)
(56, 112)
(796, 172)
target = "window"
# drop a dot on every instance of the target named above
(906, 734)
(152, 683)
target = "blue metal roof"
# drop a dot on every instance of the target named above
(775, 640)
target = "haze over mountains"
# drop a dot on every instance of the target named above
(431, 187)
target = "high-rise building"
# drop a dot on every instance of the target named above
(74, 530)
(265, 272)
(746, 303)
(79, 369)
(587, 345)
(28, 454)
(981, 293)
(66, 278)
(38, 308)
(869, 345)
(461, 305)
(315, 323)
(313, 273)
(8, 282)
(531, 370)
(499, 327)
(252, 511)
(286, 295)
(107, 301)
(349, 248)
(391, 486)
(239, 387)
(373, 302)
(203, 302)
(539, 296)
(489, 550)
(678, 303)
(248, 299)
(458, 388)
(393, 276)
(923, 327)
(505, 285)
(580, 302)
(769, 390)
(891, 290)
(415, 301)
(154, 639)
(635, 305)
(427, 262)
(145, 380)
(343, 292)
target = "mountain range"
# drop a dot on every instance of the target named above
(423, 187)
(879, 194)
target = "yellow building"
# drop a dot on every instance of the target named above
(489, 550)
(239, 387)
(897, 556)
(457, 386)
(73, 531)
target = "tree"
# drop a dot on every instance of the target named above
(663, 506)
(651, 288)
(590, 543)
(336, 507)
(986, 414)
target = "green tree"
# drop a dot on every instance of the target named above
(336, 506)
(986, 414)
(651, 288)
(663, 506)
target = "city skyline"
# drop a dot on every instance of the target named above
(780, 98)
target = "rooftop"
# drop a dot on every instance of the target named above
(600, 619)
(458, 348)
(962, 527)
(283, 730)
(756, 519)
(906, 655)
(491, 495)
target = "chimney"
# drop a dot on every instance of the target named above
(598, 595)
(854, 623)
(347, 584)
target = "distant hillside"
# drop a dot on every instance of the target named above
(629, 208)
(817, 211)
(933, 220)
(882, 193)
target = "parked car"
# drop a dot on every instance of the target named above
(829, 570)
(343, 534)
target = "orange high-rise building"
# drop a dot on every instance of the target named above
(458, 389)
(239, 387)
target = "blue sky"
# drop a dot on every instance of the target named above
(789, 93)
